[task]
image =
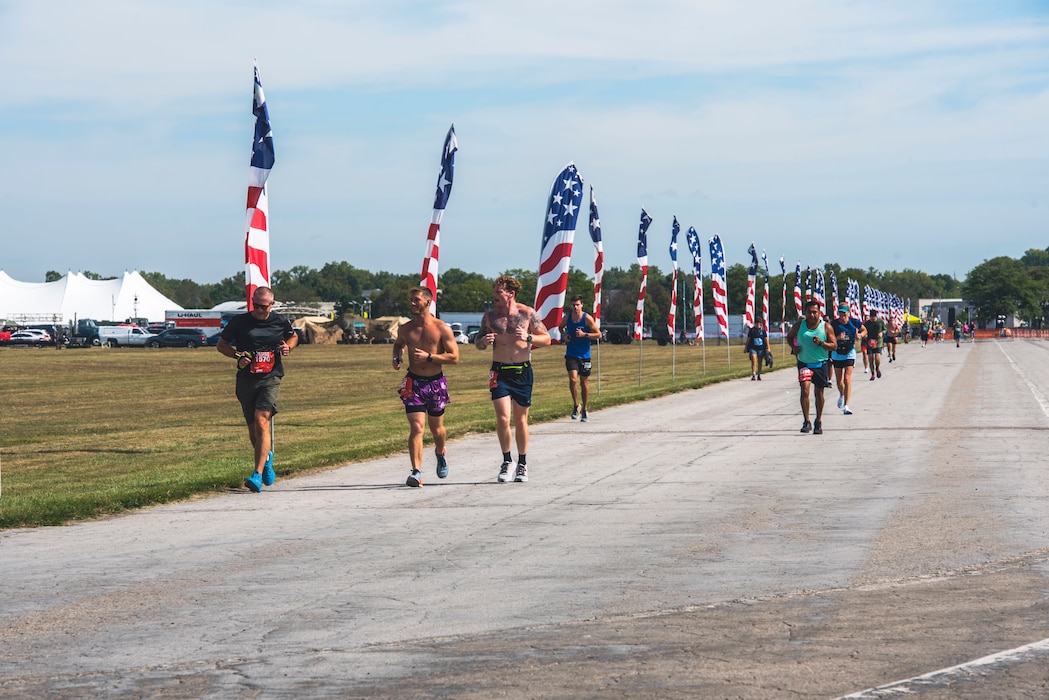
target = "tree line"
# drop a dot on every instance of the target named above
(1000, 286)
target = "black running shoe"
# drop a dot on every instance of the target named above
(806, 427)
(817, 428)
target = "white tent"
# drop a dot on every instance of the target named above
(76, 296)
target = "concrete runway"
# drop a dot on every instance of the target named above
(692, 546)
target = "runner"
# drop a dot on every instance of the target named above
(424, 389)
(577, 330)
(847, 331)
(756, 346)
(810, 339)
(258, 340)
(512, 330)
(892, 334)
(875, 340)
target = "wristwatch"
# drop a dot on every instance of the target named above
(529, 338)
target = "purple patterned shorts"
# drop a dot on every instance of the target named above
(428, 394)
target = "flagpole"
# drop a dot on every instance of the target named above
(599, 361)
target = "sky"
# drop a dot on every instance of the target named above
(890, 135)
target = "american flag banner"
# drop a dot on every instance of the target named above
(797, 289)
(868, 300)
(642, 260)
(852, 298)
(697, 270)
(783, 302)
(817, 288)
(808, 283)
(599, 256)
(832, 310)
(752, 275)
(765, 296)
(896, 312)
(558, 233)
(672, 317)
(718, 288)
(433, 235)
(257, 238)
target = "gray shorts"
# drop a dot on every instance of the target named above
(257, 395)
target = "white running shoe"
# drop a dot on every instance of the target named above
(504, 473)
(847, 411)
(841, 401)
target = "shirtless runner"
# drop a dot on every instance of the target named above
(430, 345)
(512, 330)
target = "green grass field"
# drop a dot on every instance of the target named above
(96, 431)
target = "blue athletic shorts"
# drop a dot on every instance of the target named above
(513, 380)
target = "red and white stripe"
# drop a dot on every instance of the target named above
(672, 316)
(428, 278)
(257, 241)
(639, 317)
(748, 311)
(765, 304)
(697, 305)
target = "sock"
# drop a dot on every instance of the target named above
(507, 457)
(522, 460)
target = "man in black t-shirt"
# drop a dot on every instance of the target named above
(258, 340)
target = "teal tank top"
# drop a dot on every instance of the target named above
(809, 352)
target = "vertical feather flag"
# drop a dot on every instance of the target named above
(428, 278)
(817, 288)
(783, 310)
(832, 310)
(257, 237)
(765, 297)
(852, 297)
(752, 275)
(642, 260)
(599, 256)
(797, 289)
(558, 234)
(697, 272)
(672, 317)
(717, 284)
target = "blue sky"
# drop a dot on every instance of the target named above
(891, 135)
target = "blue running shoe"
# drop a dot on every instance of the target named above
(442, 466)
(254, 482)
(268, 475)
(414, 479)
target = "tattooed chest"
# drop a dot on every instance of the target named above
(508, 324)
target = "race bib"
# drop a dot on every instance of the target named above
(406, 387)
(262, 362)
(872, 343)
(804, 374)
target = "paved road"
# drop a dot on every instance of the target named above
(691, 546)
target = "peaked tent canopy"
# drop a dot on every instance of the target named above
(75, 296)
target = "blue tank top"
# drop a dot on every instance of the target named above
(576, 347)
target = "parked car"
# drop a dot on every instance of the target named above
(179, 338)
(30, 336)
(457, 331)
(124, 336)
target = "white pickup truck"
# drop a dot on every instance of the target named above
(119, 336)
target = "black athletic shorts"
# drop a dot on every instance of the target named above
(581, 365)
